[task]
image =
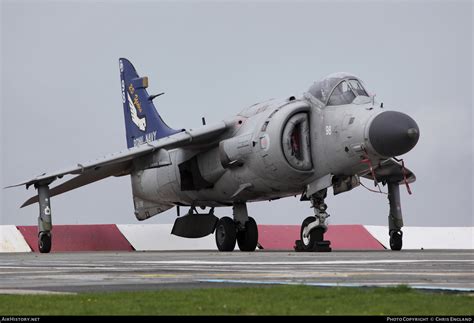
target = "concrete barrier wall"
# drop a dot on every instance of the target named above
(149, 237)
(428, 237)
(11, 240)
(158, 237)
(271, 237)
(93, 237)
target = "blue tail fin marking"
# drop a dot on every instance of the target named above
(142, 121)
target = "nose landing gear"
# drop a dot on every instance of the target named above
(313, 227)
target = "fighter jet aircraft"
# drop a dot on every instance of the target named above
(332, 135)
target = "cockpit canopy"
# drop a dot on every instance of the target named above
(338, 89)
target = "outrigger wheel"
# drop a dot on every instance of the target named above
(396, 240)
(44, 242)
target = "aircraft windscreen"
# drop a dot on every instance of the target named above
(337, 89)
(342, 94)
(358, 88)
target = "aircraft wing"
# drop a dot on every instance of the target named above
(119, 163)
(392, 170)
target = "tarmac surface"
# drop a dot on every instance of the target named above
(32, 273)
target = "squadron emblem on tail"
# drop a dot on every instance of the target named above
(139, 122)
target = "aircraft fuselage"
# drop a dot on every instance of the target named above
(272, 150)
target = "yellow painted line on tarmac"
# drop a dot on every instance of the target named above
(161, 275)
(301, 275)
(391, 273)
(272, 275)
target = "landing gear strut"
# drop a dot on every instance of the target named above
(395, 219)
(44, 219)
(241, 230)
(313, 227)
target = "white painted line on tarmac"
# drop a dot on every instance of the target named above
(333, 262)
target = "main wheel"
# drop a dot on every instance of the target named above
(247, 239)
(44, 242)
(226, 234)
(396, 240)
(315, 235)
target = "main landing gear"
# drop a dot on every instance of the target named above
(241, 230)
(313, 227)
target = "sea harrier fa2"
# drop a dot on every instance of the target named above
(329, 136)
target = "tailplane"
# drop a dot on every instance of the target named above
(143, 123)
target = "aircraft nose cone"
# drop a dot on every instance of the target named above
(393, 133)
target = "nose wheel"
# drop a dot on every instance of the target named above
(313, 227)
(312, 237)
(309, 237)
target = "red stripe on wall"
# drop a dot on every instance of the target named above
(342, 237)
(100, 237)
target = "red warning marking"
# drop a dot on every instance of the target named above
(93, 237)
(342, 237)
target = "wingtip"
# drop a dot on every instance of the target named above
(14, 185)
(26, 183)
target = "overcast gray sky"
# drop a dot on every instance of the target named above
(61, 101)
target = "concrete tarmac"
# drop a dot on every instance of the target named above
(111, 271)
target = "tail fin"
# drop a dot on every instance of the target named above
(142, 121)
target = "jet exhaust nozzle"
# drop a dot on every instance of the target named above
(393, 133)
